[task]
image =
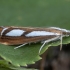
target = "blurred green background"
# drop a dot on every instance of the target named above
(36, 13)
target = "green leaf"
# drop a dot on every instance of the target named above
(27, 54)
(4, 63)
(3, 68)
(22, 56)
(23, 68)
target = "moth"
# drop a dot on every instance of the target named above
(25, 35)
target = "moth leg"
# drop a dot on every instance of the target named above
(47, 41)
(61, 37)
(20, 45)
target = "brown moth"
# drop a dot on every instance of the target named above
(24, 35)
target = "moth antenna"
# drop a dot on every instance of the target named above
(61, 38)
(42, 46)
(47, 41)
(20, 46)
